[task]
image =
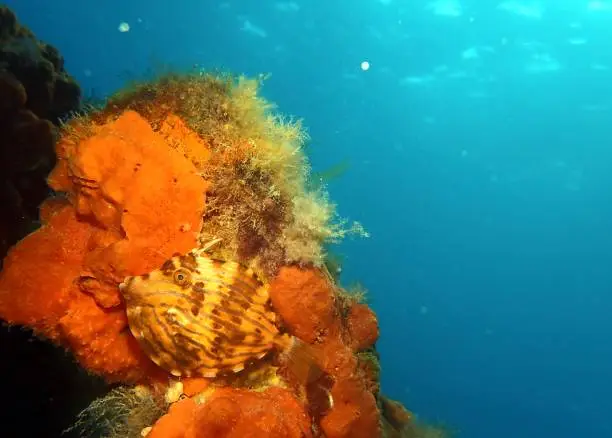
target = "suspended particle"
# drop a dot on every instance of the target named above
(123, 27)
(365, 65)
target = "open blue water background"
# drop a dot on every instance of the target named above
(479, 143)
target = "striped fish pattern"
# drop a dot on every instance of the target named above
(198, 316)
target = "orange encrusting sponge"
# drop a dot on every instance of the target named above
(306, 302)
(134, 200)
(236, 413)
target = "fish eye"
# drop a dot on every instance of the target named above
(181, 277)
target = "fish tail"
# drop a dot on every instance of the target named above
(301, 359)
(304, 362)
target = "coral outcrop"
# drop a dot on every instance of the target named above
(36, 93)
(164, 166)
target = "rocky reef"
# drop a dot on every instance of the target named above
(36, 93)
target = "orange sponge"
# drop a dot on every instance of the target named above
(236, 413)
(36, 283)
(134, 201)
(306, 302)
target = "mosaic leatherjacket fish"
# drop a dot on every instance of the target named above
(199, 316)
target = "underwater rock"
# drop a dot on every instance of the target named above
(36, 93)
(162, 168)
(396, 418)
(39, 67)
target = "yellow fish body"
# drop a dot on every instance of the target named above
(197, 316)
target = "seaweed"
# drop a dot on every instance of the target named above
(261, 200)
(122, 413)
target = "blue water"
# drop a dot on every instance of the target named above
(479, 148)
